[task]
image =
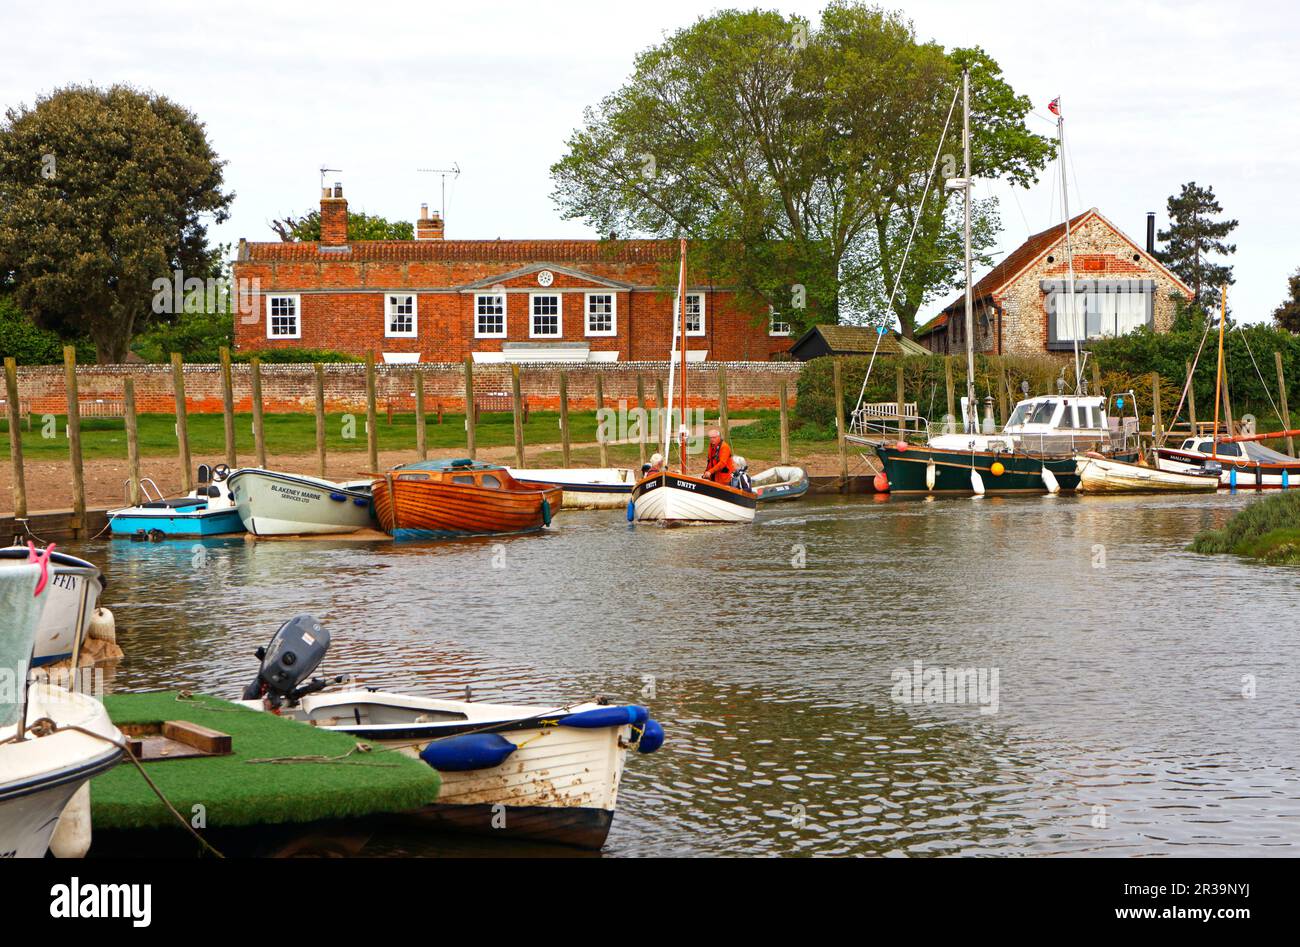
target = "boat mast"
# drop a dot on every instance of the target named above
(1218, 371)
(1069, 252)
(972, 410)
(681, 298)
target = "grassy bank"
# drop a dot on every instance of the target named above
(1268, 529)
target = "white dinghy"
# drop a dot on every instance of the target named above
(73, 594)
(585, 488)
(43, 764)
(549, 772)
(1099, 474)
(272, 503)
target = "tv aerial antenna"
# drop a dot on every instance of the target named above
(454, 171)
(324, 171)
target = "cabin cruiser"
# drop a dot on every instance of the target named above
(1238, 463)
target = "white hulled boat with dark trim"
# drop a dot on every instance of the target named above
(585, 488)
(272, 503)
(550, 773)
(73, 594)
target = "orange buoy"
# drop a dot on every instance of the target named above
(997, 469)
(901, 445)
(881, 483)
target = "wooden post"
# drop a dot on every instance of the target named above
(228, 407)
(1191, 398)
(1157, 425)
(645, 418)
(372, 420)
(259, 421)
(785, 422)
(600, 404)
(564, 416)
(724, 422)
(901, 395)
(519, 414)
(74, 443)
(1003, 407)
(1286, 412)
(839, 424)
(182, 424)
(947, 379)
(470, 413)
(15, 438)
(320, 419)
(1096, 378)
(421, 444)
(132, 440)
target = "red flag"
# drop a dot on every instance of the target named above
(1054, 106)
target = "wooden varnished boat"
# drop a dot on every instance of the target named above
(445, 499)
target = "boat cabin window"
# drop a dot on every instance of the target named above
(1018, 415)
(1067, 417)
(1090, 416)
(491, 482)
(1189, 444)
(1043, 413)
(412, 476)
(1225, 450)
(463, 478)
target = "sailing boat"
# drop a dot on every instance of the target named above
(680, 498)
(1237, 460)
(1035, 451)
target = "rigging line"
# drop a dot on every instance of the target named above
(929, 180)
(1262, 383)
(1187, 386)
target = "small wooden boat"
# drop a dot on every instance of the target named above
(71, 598)
(679, 499)
(780, 483)
(1100, 474)
(550, 772)
(271, 503)
(585, 488)
(445, 499)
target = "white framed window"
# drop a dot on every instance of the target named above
(400, 315)
(490, 316)
(546, 320)
(695, 314)
(776, 324)
(602, 314)
(283, 317)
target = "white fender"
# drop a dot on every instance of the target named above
(929, 475)
(71, 837)
(1049, 481)
(976, 482)
(102, 625)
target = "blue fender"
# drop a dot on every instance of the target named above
(631, 510)
(652, 738)
(467, 752)
(633, 714)
(546, 512)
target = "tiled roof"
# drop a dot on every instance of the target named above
(863, 340)
(578, 251)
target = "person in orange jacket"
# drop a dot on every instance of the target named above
(719, 466)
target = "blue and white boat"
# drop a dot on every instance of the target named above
(70, 601)
(208, 510)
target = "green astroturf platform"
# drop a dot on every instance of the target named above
(235, 792)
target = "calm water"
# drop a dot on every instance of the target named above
(1120, 662)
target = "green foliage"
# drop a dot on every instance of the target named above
(197, 336)
(1267, 529)
(291, 356)
(102, 191)
(795, 158)
(1287, 315)
(27, 343)
(360, 227)
(1193, 236)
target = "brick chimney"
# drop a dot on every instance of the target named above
(333, 217)
(429, 226)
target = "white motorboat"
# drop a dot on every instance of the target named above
(73, 593)
(541, 772)
(271, 503)
(677, 498)
(207, 510)
(42, 767)
(1101, 474)
(585, 488)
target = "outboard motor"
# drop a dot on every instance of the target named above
(296, 649)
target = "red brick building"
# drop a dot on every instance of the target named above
(437, 300)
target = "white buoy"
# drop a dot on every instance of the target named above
(929, 475)
(71, 837)
(1049, 481)
(976, 482)
(102, 625)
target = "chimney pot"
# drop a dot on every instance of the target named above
(1151, 232)
(333, 217)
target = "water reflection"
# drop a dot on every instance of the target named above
(1121, 726)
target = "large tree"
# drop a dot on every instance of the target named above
(797, 157)
(1192, 238)
(1287, 315)
(360, 227)
(102, 191)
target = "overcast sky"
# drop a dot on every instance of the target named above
(1156, 94)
